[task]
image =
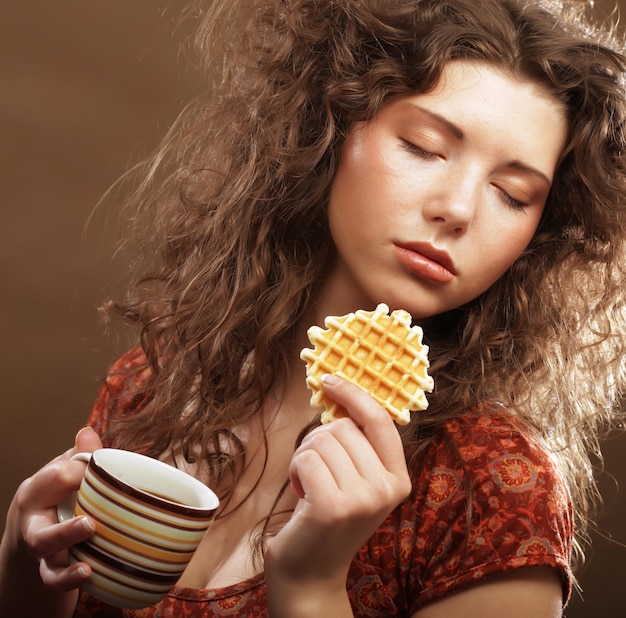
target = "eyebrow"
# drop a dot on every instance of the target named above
(457, 132)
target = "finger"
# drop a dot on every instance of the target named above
(51, 485)
(358, 449)
(48, 539)
(347, 454)
(309, 475)
(66, 578)
(373, 419)
(296, 484)
(87, 441)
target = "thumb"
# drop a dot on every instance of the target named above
(87, 441)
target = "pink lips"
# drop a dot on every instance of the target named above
(426, 261)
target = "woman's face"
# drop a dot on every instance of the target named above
(440, 193)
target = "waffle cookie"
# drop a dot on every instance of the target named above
(380, 352)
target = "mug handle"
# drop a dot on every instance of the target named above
(65, 510)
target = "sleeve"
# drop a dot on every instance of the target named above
(89, 607)
(489, 499)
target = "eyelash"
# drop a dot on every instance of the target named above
(416, 150)
(511, 201)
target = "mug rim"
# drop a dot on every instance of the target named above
(146, 495)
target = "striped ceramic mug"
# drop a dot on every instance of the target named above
(150, 518)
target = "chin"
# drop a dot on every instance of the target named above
(420, 310)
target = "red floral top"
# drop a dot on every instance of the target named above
(520, 517)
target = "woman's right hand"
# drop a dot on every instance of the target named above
(34, 549)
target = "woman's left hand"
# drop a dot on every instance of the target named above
(348, 476)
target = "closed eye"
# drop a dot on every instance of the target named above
(511, 201)
(416, 150)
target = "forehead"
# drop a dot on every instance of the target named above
(469, 77)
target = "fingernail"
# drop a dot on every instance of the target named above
(86, 525)
(81, 571)
(330, 380)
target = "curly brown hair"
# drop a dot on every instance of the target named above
(236, 199)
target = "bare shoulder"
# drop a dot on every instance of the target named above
(531, 591)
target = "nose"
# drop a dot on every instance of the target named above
(453, 204)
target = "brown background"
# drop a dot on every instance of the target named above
(86, 88)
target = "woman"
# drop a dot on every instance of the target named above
(461, 161)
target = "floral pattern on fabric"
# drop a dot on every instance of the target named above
(520, 517)
(444, 484)
(514, 473)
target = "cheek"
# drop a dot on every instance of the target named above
(509, 243)
(354, 204)
(341, 217)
